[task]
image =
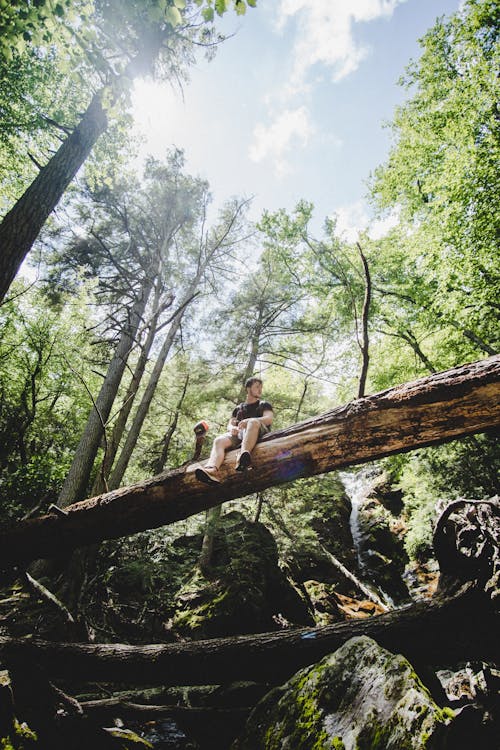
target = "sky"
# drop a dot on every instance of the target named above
(294, 104)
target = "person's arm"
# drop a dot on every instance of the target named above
(267, 417)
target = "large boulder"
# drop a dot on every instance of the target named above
(245, 590)
(360, 698)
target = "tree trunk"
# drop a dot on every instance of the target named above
(162, 458)
(443, 631)
(76, 483)
(207, 546)
(365, 343)
(121, 420)
(428, 411)
(22, 224)
(135, 429)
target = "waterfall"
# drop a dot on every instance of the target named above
(356, 484)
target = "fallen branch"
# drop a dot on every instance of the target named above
(39, 590)
(366, 590)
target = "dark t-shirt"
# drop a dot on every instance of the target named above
(246, 411)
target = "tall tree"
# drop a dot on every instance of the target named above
(442, 172)
(131, 247)
(125, 41)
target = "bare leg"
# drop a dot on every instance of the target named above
(219, 448)
(248, 444)
(251, 435)
(208, 473)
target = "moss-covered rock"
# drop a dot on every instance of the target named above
(323, 509)
(246, 591)
(360, 698)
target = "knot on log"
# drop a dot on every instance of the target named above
(466, 543)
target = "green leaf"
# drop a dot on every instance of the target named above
(173, 16)
(240, 8)
(220, 7)
(208, 14)
(252, 3)
(181, 4)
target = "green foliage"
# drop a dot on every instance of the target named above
(39, 104)
(38, 22)
(442, 175)
(433, 477)
(55, 55)
(43, 352)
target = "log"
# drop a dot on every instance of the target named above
(440, 632)
(435, 409)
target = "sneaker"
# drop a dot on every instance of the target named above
(207, 474)
(244, 461)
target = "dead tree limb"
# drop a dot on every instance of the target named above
(39, 590)
(435, 409)
(439, 632)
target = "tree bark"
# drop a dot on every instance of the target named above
(22, 224)
(431, 410)
(443, 631)
(365, 342)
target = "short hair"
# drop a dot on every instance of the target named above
(251, 381)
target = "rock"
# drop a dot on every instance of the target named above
(383, 490)
(360, 698)
(382, 553)
(246, 592)
(323, 599)
(328, 511)
(422, 578)
(357, 608)
(475, 690)
(14, 735)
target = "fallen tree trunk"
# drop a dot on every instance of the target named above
(461, 623)
(431, 410)
(441, 632)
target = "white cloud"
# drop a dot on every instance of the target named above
(380, 227)
(289, 128)
(325, 34)
(354, 218)
(351, 220)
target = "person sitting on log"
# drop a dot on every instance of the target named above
(249, 422)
